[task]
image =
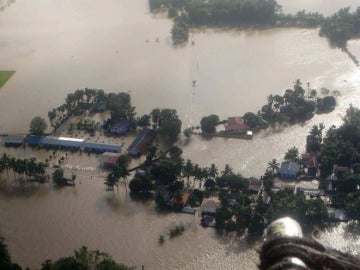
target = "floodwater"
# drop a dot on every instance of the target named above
(117, 45)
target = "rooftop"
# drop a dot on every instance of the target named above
(236, 123)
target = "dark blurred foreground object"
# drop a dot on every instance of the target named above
(285, 248)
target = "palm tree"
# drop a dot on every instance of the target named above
(188, 170)
(227, 170)
(273, 166)
(204, 173)
(112, 180)
(6, 162)
(213, 171)
(196, 173)
(121, 170)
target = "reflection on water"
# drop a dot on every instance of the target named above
(58, 46)
(5, 3)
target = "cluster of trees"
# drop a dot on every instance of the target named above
(301, 19)
(60, 180)
(295, 106)
(119, 172)
(75, 103)
(83, 258)
(233, 12)
(29, 168)
(341, 27)
(180, 29)
(341, 145)
(120, 106)
(38, 126)
(87, 125)
(208, 124)
(239, 214)
(307, 212)
(168, 124)
(338, 28)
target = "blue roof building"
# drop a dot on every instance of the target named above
(66, 143)
(34, 140)
(72, 144)
(289, 170)
(100, 147)
(14, 140)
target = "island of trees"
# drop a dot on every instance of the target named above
(338, 28)
(295, 106)
(83, 258)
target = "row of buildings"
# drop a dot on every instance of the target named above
(59, 143)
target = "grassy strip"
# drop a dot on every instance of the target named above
(5, 75)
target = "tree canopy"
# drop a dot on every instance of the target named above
(169, 125)
(208, 123)
(38, 126)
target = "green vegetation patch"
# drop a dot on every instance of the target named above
(5, 75)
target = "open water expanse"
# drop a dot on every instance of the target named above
(58, 46)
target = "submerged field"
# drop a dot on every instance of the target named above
(5, 75)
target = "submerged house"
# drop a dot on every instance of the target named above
(254, 185)
(120, 127)
(209, 208)
(109, 159)
(142, 140)
(289, 170)
(311, 163)
(236, 125)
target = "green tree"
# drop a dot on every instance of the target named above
(292, 154)
(38, 126)
(208, 123)
(58, 177)
(169, 125)
(251, 119)
(273, 166)
(144, 121)
(188, 170)
(138, 186)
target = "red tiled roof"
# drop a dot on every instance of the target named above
(236, 123)
(341, 169)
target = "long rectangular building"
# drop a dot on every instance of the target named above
(71, 144)
(142, 140)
